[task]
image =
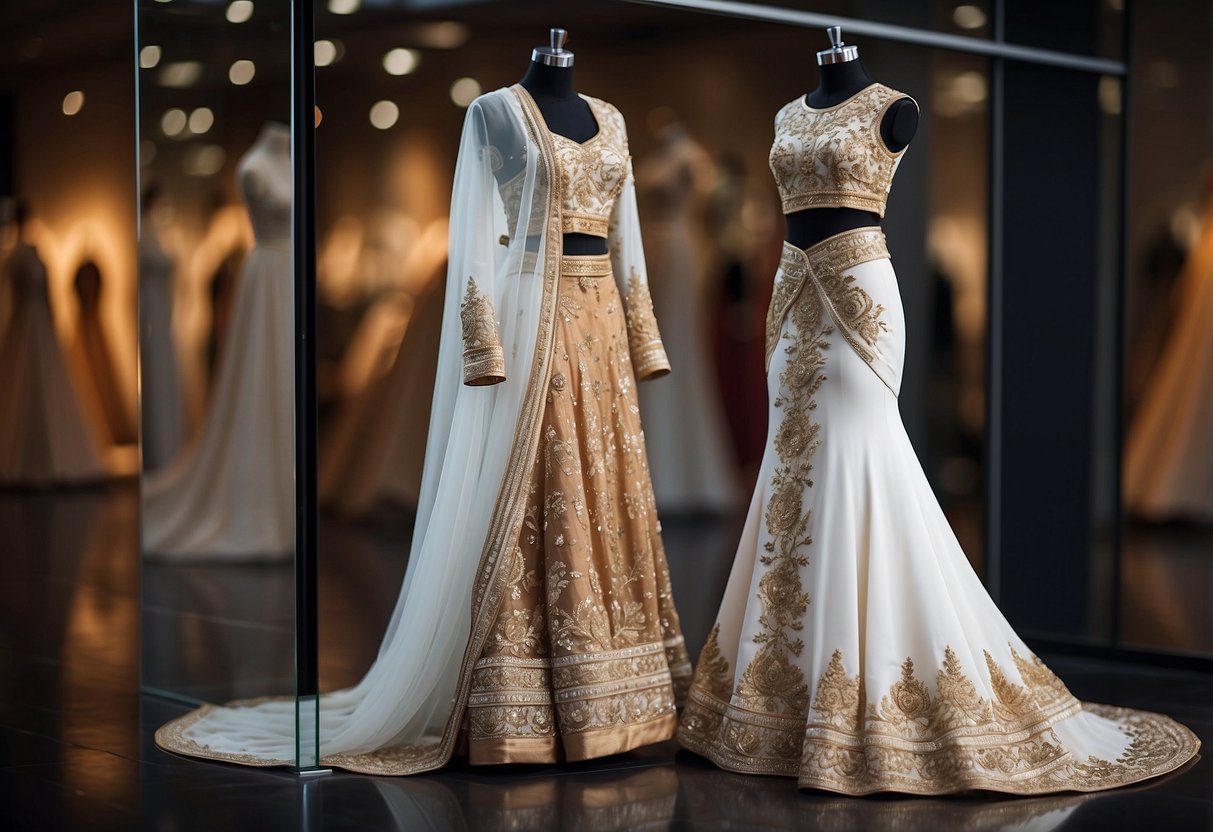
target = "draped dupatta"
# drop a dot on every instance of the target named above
(493, 367)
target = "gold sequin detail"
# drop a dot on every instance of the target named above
(483, 357)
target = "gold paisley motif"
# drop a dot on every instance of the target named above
(851, 307)
(648, 353)
(483, 357)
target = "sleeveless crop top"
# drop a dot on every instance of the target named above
(835, 157)
(592, 173)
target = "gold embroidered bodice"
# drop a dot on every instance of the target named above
(835, 157)
(592, 174)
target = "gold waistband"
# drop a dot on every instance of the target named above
(585, 224)
(864, 243)
(577, 266)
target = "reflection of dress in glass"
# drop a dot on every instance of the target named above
(536, 609)
(690, 453)
(232, 495)
(1168, 455)
(91, 355)
(160, 405)
(855, 648)
(43, 435)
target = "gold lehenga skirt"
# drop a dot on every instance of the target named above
(586, 657)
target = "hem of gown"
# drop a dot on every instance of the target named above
(1159, 745)
(586, 745)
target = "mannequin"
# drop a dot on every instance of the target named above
(842, 76)
(549, 80)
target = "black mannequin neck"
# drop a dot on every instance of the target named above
(549, 81)
(838, 83)
(567, 114)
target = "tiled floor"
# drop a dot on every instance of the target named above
(75, 734)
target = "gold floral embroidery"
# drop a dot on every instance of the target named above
(648, 353)
(925, 742)
(835, 157)
(483, 357)
(852, 308)
(593, 172)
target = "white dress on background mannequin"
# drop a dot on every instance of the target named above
(231, 496)
(160, 405)
(1168, 453)
(855, 648)
(44, 439)
(690, 453)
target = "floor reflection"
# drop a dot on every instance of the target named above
(1166, 584)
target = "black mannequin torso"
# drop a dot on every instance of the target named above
(567, 114)
(838, 83)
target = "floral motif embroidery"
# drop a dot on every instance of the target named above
(483, 357)
(852, 308)
(835, 157)
(592, 173)
(648, 353)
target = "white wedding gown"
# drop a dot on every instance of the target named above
(44, 437)
(160, 405)
(855, 648)
(231, 496)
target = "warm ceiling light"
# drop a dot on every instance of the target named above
(242, 72)
(180, 74)
(464, 91)
(400, 61)
(319, 116)
(448, 34)
(344, 6)
(201, 120)
(325, 52)
(72, 102)
(969, 17)
(173, 122)
(239, 11)
(384, 114)
(149, 56)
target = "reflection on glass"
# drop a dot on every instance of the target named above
(161, 407)
(44, 436)
(232, 495)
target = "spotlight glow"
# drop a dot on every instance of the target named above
(464, 91)
(149, 56)
(239, 11)
(384, 114)
(969, 17)
(344, 6)
(201, 120)
(400, 61)
(173, 122)
(242, 72)
(326, 52)
(180, 74)
(204, 160)
(73, 102)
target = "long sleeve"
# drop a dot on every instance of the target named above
(473, 238)
(627, 260)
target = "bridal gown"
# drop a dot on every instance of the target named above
(690, 451)
(1168, 471)
(231, 495)
(44, 436)
(855, 648)
(536, 622)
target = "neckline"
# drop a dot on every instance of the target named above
(544, 122)
(804, 100)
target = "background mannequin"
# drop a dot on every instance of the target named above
(839, 81)
(161, 401)
(232, 497)
(567, 114)
(44, 439)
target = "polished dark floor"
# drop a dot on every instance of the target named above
(75, 732)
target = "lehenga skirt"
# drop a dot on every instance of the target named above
(855, 648)
(586, 657)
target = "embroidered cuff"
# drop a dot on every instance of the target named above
(483, 357)
(649, 360)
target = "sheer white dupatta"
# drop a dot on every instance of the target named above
(403, 717)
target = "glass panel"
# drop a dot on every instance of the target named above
(1166, 572)
(392, 88)
(1081, 27)
(217, 349)
(953, 17)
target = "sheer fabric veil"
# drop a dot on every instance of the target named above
(407, 700)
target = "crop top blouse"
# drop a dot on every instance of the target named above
(835, 157)
(592, 174)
